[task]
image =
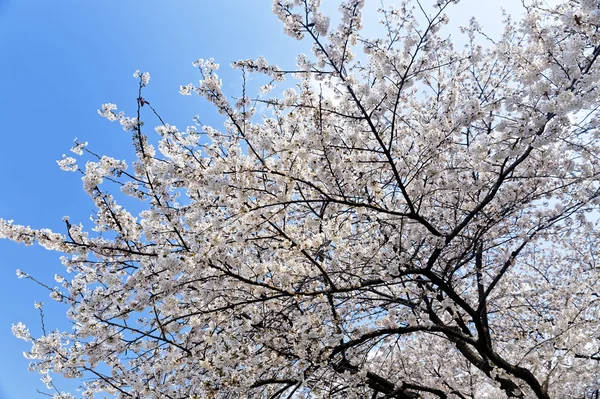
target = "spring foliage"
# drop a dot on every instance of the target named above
(409, 220)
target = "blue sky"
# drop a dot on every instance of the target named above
(60, 60)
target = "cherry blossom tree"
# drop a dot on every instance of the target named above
(404, 220)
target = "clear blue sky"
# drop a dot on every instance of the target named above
(59, 61)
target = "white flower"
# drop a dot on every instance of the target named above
(144, 77)
(47, 380)
(20, 331)
(186, 90)
(266, 88)
(108, 111)
(67, 163)
(78, 147)
(129, 124)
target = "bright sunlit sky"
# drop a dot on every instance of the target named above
(59, 61)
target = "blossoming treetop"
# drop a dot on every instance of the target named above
(409, 221)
